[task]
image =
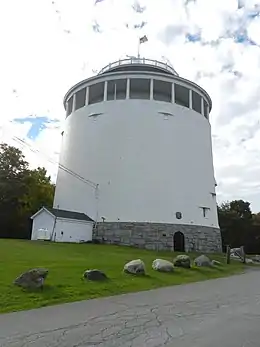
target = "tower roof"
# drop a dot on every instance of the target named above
(138, 64)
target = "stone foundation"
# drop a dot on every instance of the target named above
(159, 236)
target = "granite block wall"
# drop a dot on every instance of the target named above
(159, 236)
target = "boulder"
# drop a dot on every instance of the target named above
(182, 260)
(135, 267)
(249, 261)
(256, 258)
(202, 260)
(162, 265)
(32, 279)
(216, 262)
(95, 275)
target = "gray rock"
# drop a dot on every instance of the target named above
(95, 275)
(32, 279)
(202, 260)
(162, 265)
(216, 262)
(135, 267)
(249, 261)
(256, 258)
(182, 260)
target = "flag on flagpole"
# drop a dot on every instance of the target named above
(143, 39)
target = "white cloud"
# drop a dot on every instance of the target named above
(211, 16)
(47, 46)
(254, 30)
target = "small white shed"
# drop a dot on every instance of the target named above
(61, 226)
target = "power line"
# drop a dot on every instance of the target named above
(62, 167)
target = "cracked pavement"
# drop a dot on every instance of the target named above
(221, 312)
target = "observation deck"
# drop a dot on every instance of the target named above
(138, 64)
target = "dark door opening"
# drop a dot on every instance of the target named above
(179, 242)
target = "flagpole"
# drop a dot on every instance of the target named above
(141, 40)
(138, 48)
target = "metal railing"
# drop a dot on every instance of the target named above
(137, 61)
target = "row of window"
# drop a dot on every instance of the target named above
(205, 211)
(139, 88)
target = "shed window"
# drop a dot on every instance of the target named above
(96, 93)
(206, 109)
(69, 106)
(196, 102)
(116, 90)
(80, 98)
(162, 91)
(139, 88)
(181, 95)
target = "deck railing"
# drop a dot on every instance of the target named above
(137, 61)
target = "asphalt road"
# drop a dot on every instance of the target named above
(223, 312)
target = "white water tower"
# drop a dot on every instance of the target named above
(137, 157)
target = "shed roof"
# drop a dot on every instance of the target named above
(65, 214)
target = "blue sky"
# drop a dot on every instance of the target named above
(37, 124)
(50, 45)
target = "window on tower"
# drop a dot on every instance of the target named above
(162, 91)
(196, 102)
(206, 109)
(139, 88)
(69, 106)
(116, 89)
(80, 98)
(181, 95)
(96, 93)
(205, 211)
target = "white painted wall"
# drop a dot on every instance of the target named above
(147, 167)
(43, 220)
(73, 230)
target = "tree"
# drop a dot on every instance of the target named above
(237, 225)
(13, 169)
(22, 192)
(242, 208)
(256, 218)
(236, 208)
(39, 191)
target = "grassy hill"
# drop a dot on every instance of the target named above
(67, 263)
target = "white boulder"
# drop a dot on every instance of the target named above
(256, 258)
(202, 260)
(216, 262)
(135, 267)
(249, 261)
(162, 265)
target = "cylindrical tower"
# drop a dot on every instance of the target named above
(137, 158)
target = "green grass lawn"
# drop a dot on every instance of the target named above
(67, 262)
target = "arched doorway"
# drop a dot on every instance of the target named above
(179, 242)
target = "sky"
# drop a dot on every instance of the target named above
(48, 46)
